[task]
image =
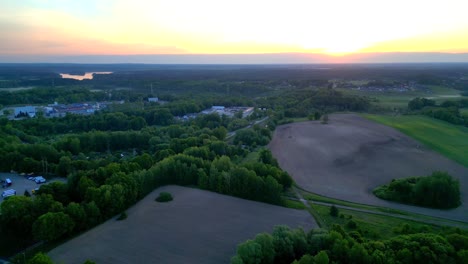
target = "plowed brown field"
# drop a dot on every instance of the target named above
(196, 227)
(347, 158)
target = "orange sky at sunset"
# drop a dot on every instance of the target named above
(118, 27)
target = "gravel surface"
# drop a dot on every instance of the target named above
(196, 227)
(347, 158)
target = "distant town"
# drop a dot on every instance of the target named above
(86, 108)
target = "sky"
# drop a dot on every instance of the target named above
(338, 29)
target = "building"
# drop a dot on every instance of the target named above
(153, 99)
(25, 111)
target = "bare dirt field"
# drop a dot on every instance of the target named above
(347, 158)
(196, 227)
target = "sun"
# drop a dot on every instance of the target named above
(335, 46)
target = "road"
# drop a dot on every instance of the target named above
(439, 222)
(233, 133)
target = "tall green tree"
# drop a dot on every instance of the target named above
(52, 226)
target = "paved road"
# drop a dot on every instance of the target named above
(233, 133)
(427, 221)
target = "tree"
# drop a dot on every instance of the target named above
(51, 226)
(65, 166)
(334, 211)
(266, 157)
(40, 258)
(321, 258)
(284, 245)
(220, 132)
(17, 214)
(306, 259)
(265, 240)
(78, 215)
(250, 252)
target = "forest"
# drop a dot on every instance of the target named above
(319, 246)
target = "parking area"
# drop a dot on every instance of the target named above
(21, 183)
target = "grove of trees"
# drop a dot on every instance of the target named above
(296, 246)
(439, 190)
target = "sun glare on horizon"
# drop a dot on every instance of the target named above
(334, 27)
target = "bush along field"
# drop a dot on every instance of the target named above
(439, 190)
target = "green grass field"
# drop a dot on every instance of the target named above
(447, 139)
(371, 225)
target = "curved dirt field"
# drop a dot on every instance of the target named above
(196, 227)
(347, 158)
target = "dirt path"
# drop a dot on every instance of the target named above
(347, 158)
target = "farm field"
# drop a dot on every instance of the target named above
(445, 138)
(347, 158)
(196, 227)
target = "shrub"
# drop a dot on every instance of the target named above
(334, 211)
(122, 216)
(164, 197)
(351, 224)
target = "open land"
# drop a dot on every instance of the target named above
(443, 137)
(350, 156)
(196, 227)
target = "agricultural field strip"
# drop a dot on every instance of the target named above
(378, 211)
(440, 136)
(440, 222)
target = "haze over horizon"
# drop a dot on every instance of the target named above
(209, 31)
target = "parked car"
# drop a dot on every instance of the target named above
(8, 193)
(39, 179)
(7, 183)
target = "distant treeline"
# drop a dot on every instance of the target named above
(448, 111)
(252, 80)
(303, 102)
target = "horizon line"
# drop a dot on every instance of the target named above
(242, 58)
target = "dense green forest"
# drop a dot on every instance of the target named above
(296, 246)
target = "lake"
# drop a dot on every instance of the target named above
(87, 75)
